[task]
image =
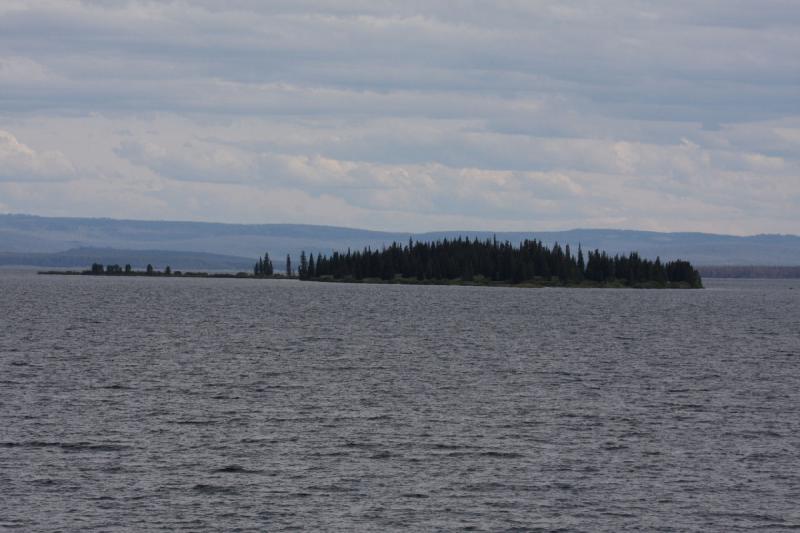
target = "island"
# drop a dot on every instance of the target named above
(488, 262)
(459, 261)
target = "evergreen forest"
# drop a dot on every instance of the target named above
(490, 262)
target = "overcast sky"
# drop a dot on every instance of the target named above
(517, 115)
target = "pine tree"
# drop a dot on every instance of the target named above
(303, 268)
(267, 270)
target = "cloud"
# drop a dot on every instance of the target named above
(509, 115)
(19, 162)
(628, 58)
(192, 161)
(23, 71)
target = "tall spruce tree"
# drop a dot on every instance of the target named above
(302, 269)
(268, 269)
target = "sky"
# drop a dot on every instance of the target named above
(408, 116)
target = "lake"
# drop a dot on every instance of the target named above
(250, 405)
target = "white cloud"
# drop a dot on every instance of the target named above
(23, 71)
(518, 115)
(19, 162)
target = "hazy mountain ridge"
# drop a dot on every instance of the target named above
(751, 272)
(26, 234)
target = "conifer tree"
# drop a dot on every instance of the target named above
(268, 269)
(302, 271)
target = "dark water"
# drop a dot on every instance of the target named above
(178, 404)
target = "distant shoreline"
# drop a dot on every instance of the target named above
(156, 274)
(537, 284)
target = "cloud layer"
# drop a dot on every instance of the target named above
(415, 115)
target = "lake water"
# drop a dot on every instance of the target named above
(237, 405)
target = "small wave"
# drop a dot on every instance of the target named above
(195, 422)
(502, 504)
(447, 447)
(757, 434)
(235, 469)
(414, 495)
(755, 517)
(381, 455)
(213, 489)
(351, 444)
(330, 454)
(80, 446)
(331, 488)
(44, 481)
(459, 454)
(443, 446)
(760, 457)
(504, 455)
(70, 446)
(486, 486)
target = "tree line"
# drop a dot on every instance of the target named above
(264, 267)
(98, 269)
(462, 259)
(116, 270)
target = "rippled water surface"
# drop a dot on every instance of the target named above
(188, 404)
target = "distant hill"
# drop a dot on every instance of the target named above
(26, 234)
(752, 272)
